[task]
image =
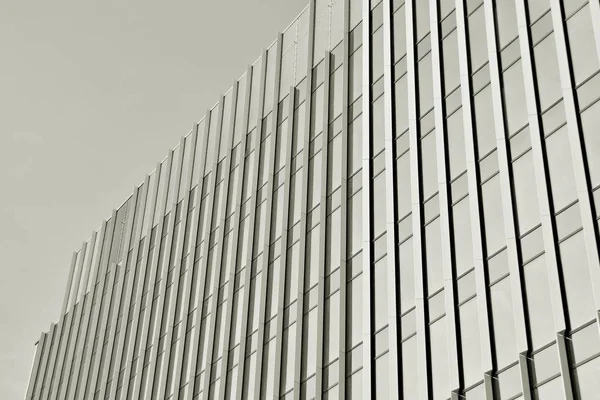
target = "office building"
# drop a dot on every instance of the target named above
(397, 200)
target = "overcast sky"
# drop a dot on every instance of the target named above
(92, 94)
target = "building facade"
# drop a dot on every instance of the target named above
(397, 200)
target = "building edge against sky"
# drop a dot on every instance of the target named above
(398, 199)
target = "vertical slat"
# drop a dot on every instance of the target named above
(251, 220)
(367, 343)
(269, 210)
(120, 349)
(442, 172)
(227, 142)
(99, 321)
(542, 179)
(203, 264)
(322, 226)
(88, 326)
(102, 349)
(35, 368)
(149, 210)
(100, 275)
(392, 261)
(193, 138)
(304, 202)
(415, 182)
(510, 230)
(474, 198)
(284, 244)
(153, 387)
(234, 236)
(342, 318)
(199, 294)
(67, 297)
(78, 275)
(584, 188)
(84, 287)
(40, 381)
(146, 328)
(66, 372)
(163, 301)
(64, 322)
(132, 205)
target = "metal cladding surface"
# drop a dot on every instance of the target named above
(397, 200)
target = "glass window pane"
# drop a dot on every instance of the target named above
(582, 45)
(470, 342)
(538, 303)
(492, 212)
(503, 323)
(525, 193)
(560, 169)
(580, 299)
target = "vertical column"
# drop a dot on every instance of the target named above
(303, 202)
(67, 297)
(118, 298)
(393, 263)
(283, 243)
(39, 384)
(516, 279)
(84, 287)
(78, 274)
(264, 260)
(251, 221)
(78, 310)
(442, 173)
(199, 294)
(203, 264)
(474, 199)
(35, 368)
(367, 345)
(227, 140)
(88, 331)
(106, 310)
(135, 323)
(120, 347)
(584, 188)
(342, 318)
(146, 329)
(239, 182)
(417, 223)
(156, 382)
(178, 365)
(542, 178)
(65, 340)
(163, 302)
(64, 322)
(87, 379)
(322, 227)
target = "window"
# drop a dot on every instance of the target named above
(525, 193)
(493, 217)
(470, 342)
(538, 303)
(546, 72)
(582, 45)
(503, 324)
(578, 288)
(560, 169)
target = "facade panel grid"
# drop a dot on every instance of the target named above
(398, 199)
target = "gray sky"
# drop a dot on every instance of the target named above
(92, 95)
